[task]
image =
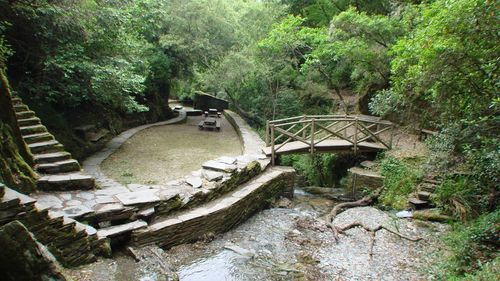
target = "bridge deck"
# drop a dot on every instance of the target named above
(325, 146)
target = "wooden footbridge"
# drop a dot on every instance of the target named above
(327, 133)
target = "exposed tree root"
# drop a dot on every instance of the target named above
(367, 200)
(372, 242)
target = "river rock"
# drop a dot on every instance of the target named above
(239, 250)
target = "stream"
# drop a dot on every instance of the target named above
(289, 243)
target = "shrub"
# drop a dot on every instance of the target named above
(473, 249)
(400, 180)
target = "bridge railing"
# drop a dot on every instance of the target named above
(314, 129)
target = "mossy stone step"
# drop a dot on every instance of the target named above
(424, 195)
(16, 100)
(38, 137)
(21, 107)
(29, 121)
(70, 181)
(29, 130)
(70, 165)
(427, 187)
(45, 147)
(51, 157)
(25, 114)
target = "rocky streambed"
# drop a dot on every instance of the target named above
(289, 242)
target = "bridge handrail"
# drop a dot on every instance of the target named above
(364, 118)
(362, 130)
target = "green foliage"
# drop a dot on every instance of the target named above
(457, 196)
(400, 180)
(14, 171)
(80, 51)
(318, 170)
(473, 250)
(449, 62)
(5, 50)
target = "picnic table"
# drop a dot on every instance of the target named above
(212, 112)
(209, 123)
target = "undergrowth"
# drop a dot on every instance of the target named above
(472, 250)
(400, 179)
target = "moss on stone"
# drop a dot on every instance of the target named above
(14, 171)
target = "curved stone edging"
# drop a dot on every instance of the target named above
(91, 165)
(252, 142)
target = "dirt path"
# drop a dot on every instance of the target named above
(162, 154)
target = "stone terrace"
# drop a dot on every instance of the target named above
(117, 209)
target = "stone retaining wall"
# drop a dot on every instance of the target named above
(220, 215)
(359, 179)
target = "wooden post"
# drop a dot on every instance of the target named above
(303, 125)
(356, 135)
(392, 136)
(312, 136)
(267, 133)
(272, 146)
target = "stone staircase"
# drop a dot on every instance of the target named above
(71, 242)
(422, 199)
(58, 170)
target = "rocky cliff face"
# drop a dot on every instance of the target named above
(15, 159)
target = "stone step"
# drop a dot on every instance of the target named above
(25, 114)
(121, 229)
(417, 204)
(29, 130)
(367, 164)
(218, 215)
(45, 147)
(424, 195)
(427, 187)
(20, 107)
(431, 181)
(64, 166)
(70, 181)
(51, 157)
(12, 195)
(16, 100)
(29, 121)
(38, 137)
